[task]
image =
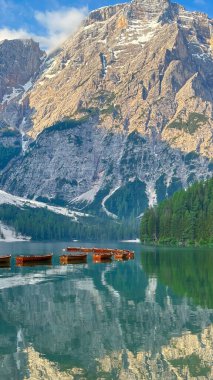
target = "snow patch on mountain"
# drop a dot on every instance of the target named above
(138, 32)
(8, 234)
(17, 92)
(6, 198)
(89, 196)
(151, 194)
(28, 85)
(110, 214)
(8, 97)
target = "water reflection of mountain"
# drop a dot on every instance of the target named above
(79, 317)
(189, 273)
(187, 357)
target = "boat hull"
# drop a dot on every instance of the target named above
(121, 256)
(5, 261)
(78, 249)
(66, 259)
(97, 257)
(102, 250)
(73, 249)
(20, 260)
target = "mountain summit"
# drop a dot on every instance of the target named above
(121, 114)
(151, 8)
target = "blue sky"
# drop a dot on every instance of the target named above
(51, 21)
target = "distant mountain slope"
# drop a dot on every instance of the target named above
(91, 170)
(20, 217)
(24, 219)
(9, 199)
(118, 118)
(186, 217)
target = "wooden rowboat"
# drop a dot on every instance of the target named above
(121, 255)
(78, 249)
(102, 250)
(86, 250)
(34, 259)
(5, 260)
(72, 249)
(124, 254)
(102, 256)
(66, 259)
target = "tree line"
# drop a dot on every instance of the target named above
(42, 224)
(185, 218)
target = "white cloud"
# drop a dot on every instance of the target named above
(11, 34)
(58, 25)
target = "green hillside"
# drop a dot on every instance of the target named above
(186, 218)
(42, 224)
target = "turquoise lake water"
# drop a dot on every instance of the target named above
(147, 318)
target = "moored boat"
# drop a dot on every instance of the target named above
(34, 259)
(86, 250)
(78, 249)
(5, 260)
(102, 250)
(121, 255)
(72, 249)
(66, 259)
(102, 256)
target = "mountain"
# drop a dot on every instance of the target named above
(118, 118)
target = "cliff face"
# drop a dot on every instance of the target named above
(138, 78)
(20, 61)
(92, 168)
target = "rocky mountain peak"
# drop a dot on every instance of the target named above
(102, 14)
(153, 5)
(151, 8)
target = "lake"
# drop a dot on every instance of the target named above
(147, 318)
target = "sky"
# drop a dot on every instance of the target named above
(50, 22)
